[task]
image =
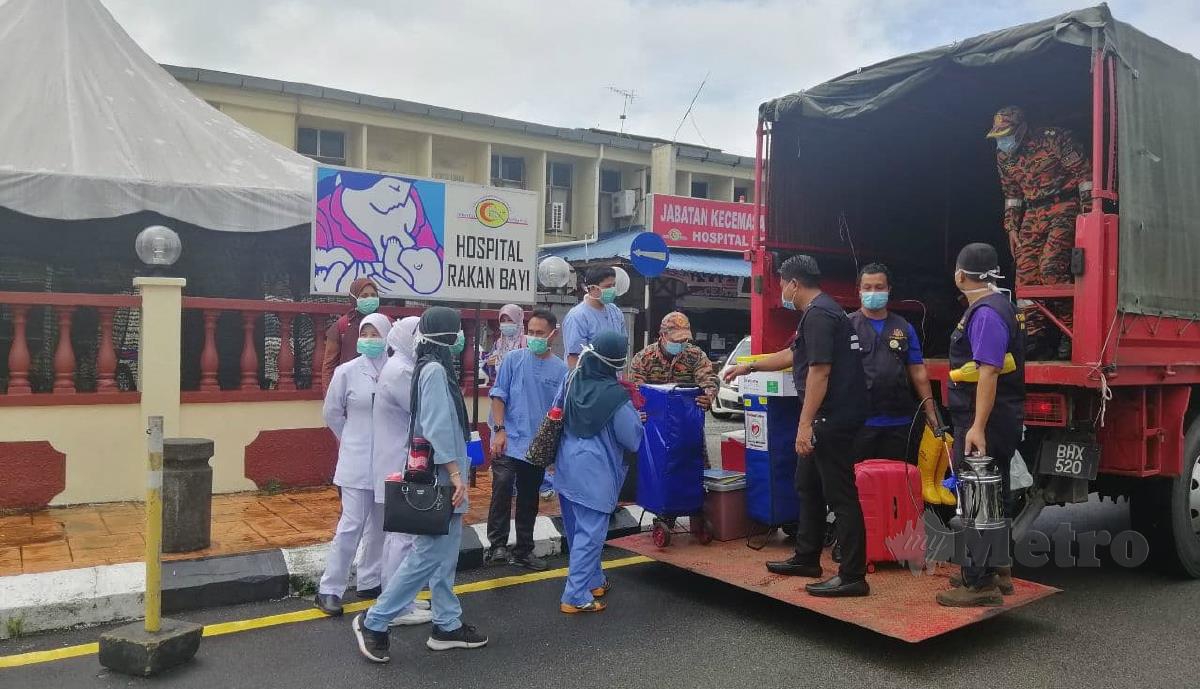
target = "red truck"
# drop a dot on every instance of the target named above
(889, 163)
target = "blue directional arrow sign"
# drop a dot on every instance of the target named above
(649, 254)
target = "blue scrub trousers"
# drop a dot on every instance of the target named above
(586, 530)
(433, 560)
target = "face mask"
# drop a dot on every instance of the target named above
(537, 345)
(608, 295)
(1006, 144)
(874, 300)
(788, 303)
(371, 347)
(367, 305)
(509, 329)
(673, 348)
(459, 343)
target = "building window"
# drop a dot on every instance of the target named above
(699, 190)
(610, 181)
(559, 178)
(741, 194)
(508, 171)
(322, 145)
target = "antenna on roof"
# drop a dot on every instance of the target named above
(675, 136)
(629, 97)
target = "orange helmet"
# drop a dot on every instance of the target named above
(1008, 121)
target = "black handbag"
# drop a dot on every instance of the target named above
(419, 508)
(423, 509)
(543, 448)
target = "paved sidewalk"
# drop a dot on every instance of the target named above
(113, 533)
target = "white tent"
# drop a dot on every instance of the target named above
(92, 127)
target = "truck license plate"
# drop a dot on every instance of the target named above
(1070, 459)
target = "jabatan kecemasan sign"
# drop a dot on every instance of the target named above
(689, 223)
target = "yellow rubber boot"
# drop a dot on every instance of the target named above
(928, 455)
(943, 467)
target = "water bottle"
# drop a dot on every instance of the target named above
(420, 467)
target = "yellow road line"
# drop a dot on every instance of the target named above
(238, 626)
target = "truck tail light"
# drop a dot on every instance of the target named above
(1046, 409)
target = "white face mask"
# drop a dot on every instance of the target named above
(994, 274)
(614, 363)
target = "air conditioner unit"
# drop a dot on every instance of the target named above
(623, 203)
(558, 211)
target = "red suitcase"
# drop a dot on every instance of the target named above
(889, 514)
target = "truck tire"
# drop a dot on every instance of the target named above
(1167, 512)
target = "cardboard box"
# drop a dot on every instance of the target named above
(768, 384)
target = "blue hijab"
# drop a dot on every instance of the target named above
(594, 394)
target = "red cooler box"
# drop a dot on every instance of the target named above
(725, 504)
(733, 451)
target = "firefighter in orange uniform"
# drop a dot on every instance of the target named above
(1046, 180)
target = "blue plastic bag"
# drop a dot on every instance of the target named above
(670, 479)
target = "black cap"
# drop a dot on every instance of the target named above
(978, 258)
(800, 266)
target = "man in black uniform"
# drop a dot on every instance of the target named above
(988, 415)
(896, 375)
(826, 363)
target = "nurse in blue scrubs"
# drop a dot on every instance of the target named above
(600, 426)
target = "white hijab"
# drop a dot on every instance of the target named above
(384, 325)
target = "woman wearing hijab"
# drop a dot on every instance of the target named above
(349, 413)
(393, 414)
(440, 417)
(341, 339)
(600, 426)
(512, 336)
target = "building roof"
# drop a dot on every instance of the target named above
(618, 246)
(406, 107)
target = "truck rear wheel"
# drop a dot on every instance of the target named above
(1167, 512)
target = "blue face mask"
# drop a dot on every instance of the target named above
(537, 345)
(673, 348)
(788, 303)
(367, 305)
(874, 301)
(509, 329)
(1006, 144)
(371, 347)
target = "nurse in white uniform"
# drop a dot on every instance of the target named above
(349, 412)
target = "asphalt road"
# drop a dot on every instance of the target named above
(666, 628)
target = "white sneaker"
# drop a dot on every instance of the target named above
(413, 618)
(421, 604)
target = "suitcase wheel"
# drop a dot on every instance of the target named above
(705, 534)
(870, 568)
(660, 534)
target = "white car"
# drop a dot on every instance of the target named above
(729, 401)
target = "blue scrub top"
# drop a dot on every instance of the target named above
(590, 471)
(527, 385)
(583, 323)
(438, 423)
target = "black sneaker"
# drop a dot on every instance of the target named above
(372, 645)
(530, 562)
(329, 604)
(463, 637)
(496, 556)
(369, 594)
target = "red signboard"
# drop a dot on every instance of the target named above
(688, 223)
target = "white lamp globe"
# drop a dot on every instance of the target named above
(158, 246)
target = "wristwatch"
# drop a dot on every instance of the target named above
(497, 429)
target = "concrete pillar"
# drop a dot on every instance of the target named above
(484, 165)
(721, 189)
(187, 494)
(662, 169)
(425, 156)
(537, 183)
(683, 183)
(158, 350)
(362, 146)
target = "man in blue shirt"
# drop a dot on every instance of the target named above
(523, 392)
(896, 377)
(595, 314)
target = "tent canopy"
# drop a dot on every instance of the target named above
(1158, 156)
(95, 128)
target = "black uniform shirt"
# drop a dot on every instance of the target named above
(826, 336)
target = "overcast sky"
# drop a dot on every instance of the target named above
(550, 61)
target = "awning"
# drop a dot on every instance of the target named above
(617, 246)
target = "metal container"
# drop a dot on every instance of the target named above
(981, 494)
